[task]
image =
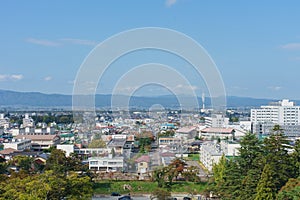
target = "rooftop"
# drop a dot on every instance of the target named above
(186, 130)
(116, 142)
(36, 137)
(217, 130)
(143, 158)
(7, 151)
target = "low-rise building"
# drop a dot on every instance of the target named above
(85, 152)
(214, 133)
(18, 144)
(143, 164)
(188, 132)
(117, 143)
(108, 164)
(41, 142)
(165, 141)
(17, 131)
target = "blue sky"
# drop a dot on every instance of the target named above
(255, 44)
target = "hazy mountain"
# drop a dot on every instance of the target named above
(36, 99)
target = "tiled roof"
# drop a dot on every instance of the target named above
(187, 129)
(143, 158)
(217, 130)
(36, 137)
(7, 151)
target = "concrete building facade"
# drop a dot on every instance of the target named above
(284, 113)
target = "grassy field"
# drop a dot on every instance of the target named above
(107, 187)
(194, 157)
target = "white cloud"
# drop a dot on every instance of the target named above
(79, 41)
(170, 3)
(275, 88)
(185, 87)
(16, 77)
(48, 78)
(291, 46)
(3, 77)
(239, 88)
(60, 42)
(43, 42)
(13, 77)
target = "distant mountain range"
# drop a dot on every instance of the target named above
(36, 99)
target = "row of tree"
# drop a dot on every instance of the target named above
(265, 170)
(47, 118)
(61, 178)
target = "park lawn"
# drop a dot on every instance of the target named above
(194, 157)
(145, 187)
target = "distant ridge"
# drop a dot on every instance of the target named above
(37, 99)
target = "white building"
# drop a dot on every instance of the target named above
(41, 142)
(17, 131)
(108, 164)
(67, 148)
(284, 113)
(215, 133)
(89, 152)
(28, 121)
(230, 148)
(165, 141)
(4, 121)
(188, 132)
(216, 121)
(18, 144)
(210, 154)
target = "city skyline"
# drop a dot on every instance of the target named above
(255, 45)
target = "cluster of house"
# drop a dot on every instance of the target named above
(120, 139)
(211, 138)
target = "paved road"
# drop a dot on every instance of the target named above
(196, 164)
(178, 196)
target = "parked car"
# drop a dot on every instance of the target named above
(187, 198)
(115, 194)
(126, 197)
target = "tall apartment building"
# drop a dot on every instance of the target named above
(284, 113)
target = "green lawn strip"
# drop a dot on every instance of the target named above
(139, 187)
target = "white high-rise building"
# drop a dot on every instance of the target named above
(284, 113)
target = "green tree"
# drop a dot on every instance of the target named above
(296, 159)
(249, 153)
(23, 163)
(78, 187)
(291, 190)
(57, 162)
(251, 162)
(97, 143)
(3, 166)
(219, 170)
(266, 188)
(249, 184)
(159, 176)
(231, 187)
(276, 155)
